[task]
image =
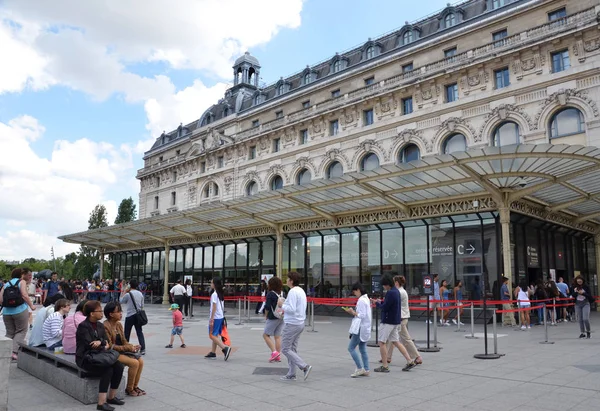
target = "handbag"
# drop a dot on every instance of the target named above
(140, 315)
(277, 311)
(355, 326)
(135, 355)
(104, 358)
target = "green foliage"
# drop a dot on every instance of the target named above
(127, 211)
(98, 218)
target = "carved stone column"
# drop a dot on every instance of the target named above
(506, 254)
(279, 269)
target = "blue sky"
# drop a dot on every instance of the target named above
(88, 85)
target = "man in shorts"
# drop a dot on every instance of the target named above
(390, 321)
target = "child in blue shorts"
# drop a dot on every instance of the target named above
(177, 326)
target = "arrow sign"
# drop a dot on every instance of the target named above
(471, 249)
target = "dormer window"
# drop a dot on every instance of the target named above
(337, 66)
(306, 78)
(370, 52)
(450, 17)
(407, 37)
(280, 89)
(450, 20)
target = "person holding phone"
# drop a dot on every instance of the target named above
(360, 330)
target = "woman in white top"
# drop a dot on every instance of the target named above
(294, 314)
(360, 330)
(216, 320)
(523, 300)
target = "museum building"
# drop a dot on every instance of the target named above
(464, 144)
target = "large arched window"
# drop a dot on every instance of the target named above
(506, 134)
(304, 177)
(276, 183)
(369, 162)
(566, 122)
(251, 188)
(211, 190)
(454, 143)
(409, 153)
(337, 66)
(407, 37)
(370, 52)
(335, 170)
(450, 20)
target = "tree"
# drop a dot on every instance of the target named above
(127, 211)
(98, 218)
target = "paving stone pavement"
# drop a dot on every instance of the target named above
(531, 376)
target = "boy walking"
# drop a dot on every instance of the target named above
(177, 326)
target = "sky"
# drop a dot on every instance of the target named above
(87, 86)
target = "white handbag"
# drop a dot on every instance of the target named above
(355, 326)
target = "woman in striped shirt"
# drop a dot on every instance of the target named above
(53, 325)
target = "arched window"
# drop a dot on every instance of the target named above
(506, 134)
(211, 190)
(335, 170)
(410, 153)
(206, 193)
(369, 162)
(280, 89)
(449, 20)
(215, 190)
(307, 78)
(566, 122)
(225, 112)
(251, 188)
(407, 37)
(370, 52)
(276, 183)
(454, 143)
(337, 66)
(257, 100)
(304, 177)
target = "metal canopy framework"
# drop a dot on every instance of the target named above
(558, 183)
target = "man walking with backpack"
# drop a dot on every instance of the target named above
(15, 300)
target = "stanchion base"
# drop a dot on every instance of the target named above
(487, 356)
(312, 331)
(546, 342)
(471, 337)
(372, 344)
(460, 331)
(430, 349)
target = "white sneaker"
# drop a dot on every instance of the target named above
(529, 327)
(428, 322)
(446, 324)
(523, 327)
(461, 323)
(358, 373)
(454, 321)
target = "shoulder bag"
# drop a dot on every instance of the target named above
(140, 315)
(100, 358)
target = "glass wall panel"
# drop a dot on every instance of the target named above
(128, 266)
(297, 257)
(314, 286)
(189, 261)
(442, 251)
(148, 263)
(350, 261)
(370, 254)
(207, 273)
(229, 271)
(415, 250)
(241, 259)
(155, 265)
(198, 260)
(490, 249)
(254, 262)
(521, 273)
(469, 253)
(559, 244)
(331, 261)
(393, 253)
(286, 258)
(268, 259)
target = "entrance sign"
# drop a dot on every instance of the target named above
(465, 249)
(427, 284)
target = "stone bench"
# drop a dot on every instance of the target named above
(62, 372)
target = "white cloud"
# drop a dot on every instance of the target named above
(21, 244)
(50, 197)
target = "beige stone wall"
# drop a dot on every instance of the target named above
(535, 94)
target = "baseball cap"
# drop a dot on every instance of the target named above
(174, 307)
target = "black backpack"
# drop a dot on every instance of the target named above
(12, 295)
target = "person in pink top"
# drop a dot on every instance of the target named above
(177, 326)
(70, 328)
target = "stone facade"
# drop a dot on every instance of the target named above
(218, 161)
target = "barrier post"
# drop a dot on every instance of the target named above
(312, 317)
(554, 311)
(486, 355)
(376, 343)
(472, 336)
(435, 348)
(239, 312)
(495, 333)
(546, 327)
(458, 330)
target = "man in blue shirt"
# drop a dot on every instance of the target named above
(508, 319)
(51, 287)
(564, 293)
(391, 319)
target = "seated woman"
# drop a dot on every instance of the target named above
(53, 325)
(36, 335)
(92, 336)
(64, 291)
(130, 356)
(70, 328)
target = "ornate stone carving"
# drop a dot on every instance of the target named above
(529, 65)
(427, 95)
(386, 107)
(210, 160)
(241, 150)
(192, 191)
(563, 97)
(374, 146)
(477, 81)
(279, 170)
(252, 176)
(227, 182)
(408, 135)
(349, 118)
(334, 154)
(582, 48)
(450, 125)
